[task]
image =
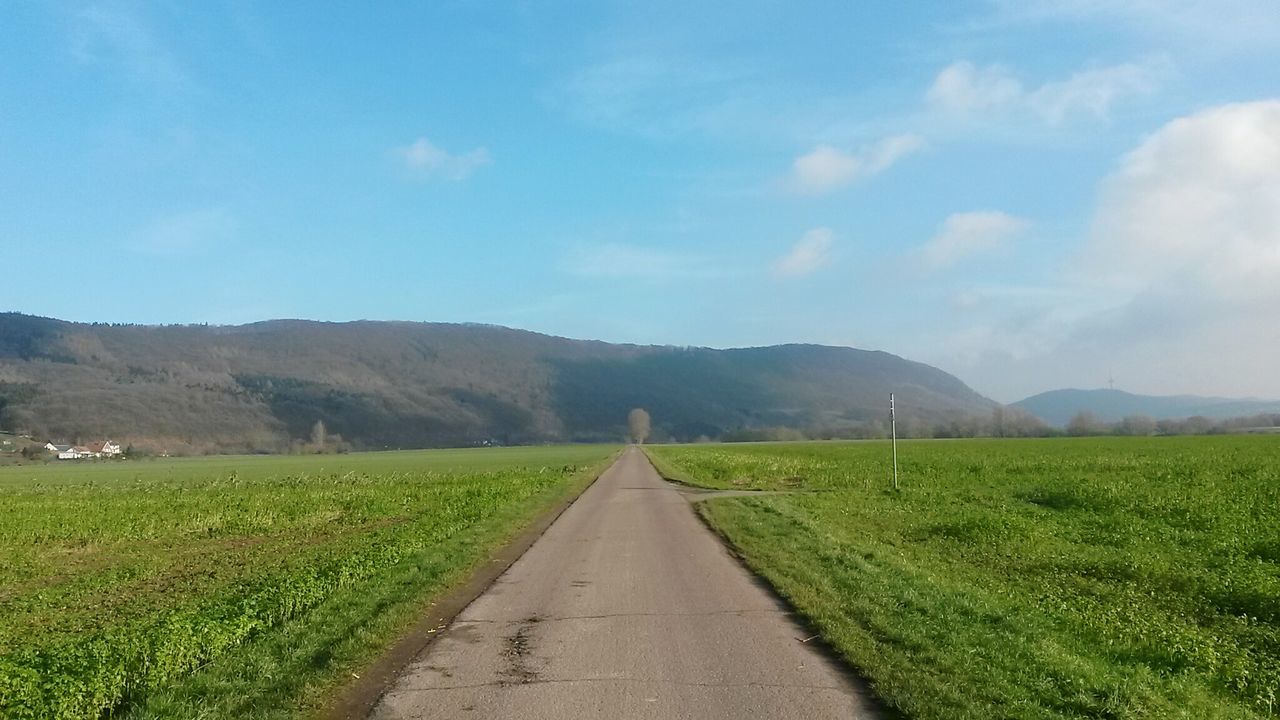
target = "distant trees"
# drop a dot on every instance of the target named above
(998, 421)
(322, 442)
(1136, 425)
(1009, 422)
(1015, 422)
(1199, 425)
(1261, 422)
(318, 434)
(1085, 423)
(639, 425)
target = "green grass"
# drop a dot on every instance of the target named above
(1069, 578)
(259, 467)
(241, 587)
(10, 448)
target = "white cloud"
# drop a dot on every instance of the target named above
(1197, 202)
(1093, 92)
(965, 234)
(965, 89)
(184, 233)
(826, 168)
(425, 160)
(1177, 285)
(806, 256)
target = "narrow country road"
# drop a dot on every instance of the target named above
(628, 607)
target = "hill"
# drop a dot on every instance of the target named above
(258, 387)
(11, 444)
(1057, 407)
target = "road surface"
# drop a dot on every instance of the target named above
(627, 607)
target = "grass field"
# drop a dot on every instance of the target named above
(274, 577)
(1069, 578)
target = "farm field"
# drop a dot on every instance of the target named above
(275, 577)
(1065, 578)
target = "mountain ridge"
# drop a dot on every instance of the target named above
(1057, 407)
(261, 386)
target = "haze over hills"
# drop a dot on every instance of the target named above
(1057, 407)
(258, 387)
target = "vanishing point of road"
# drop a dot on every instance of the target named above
(627, 607)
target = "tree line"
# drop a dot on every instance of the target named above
(1086, 423)
(1009, 422)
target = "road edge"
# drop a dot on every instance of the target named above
(880, 708)
(356, 700)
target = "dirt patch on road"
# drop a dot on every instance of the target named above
(518, 651)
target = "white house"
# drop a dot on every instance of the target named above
(64, 452)
(105, 448)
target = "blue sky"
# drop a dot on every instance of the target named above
(1029, 194)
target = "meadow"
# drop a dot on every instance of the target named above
(1046, 579)
(242, 587)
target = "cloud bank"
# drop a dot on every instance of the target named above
(1178, 282)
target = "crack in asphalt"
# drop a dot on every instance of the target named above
(674, 683)
(713, 613)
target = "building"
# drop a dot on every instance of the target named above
(105, 448)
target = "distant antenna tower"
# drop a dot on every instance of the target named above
(1111, 380)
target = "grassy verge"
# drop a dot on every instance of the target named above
(199, 591)
(1109, 578)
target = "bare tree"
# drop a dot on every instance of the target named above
(318, 434)
(1085, 423)
(638, 422)
(1137, 425)
(1017, 422)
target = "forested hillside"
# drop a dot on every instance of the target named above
(263, 386)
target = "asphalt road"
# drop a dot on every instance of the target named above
(628, 607)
